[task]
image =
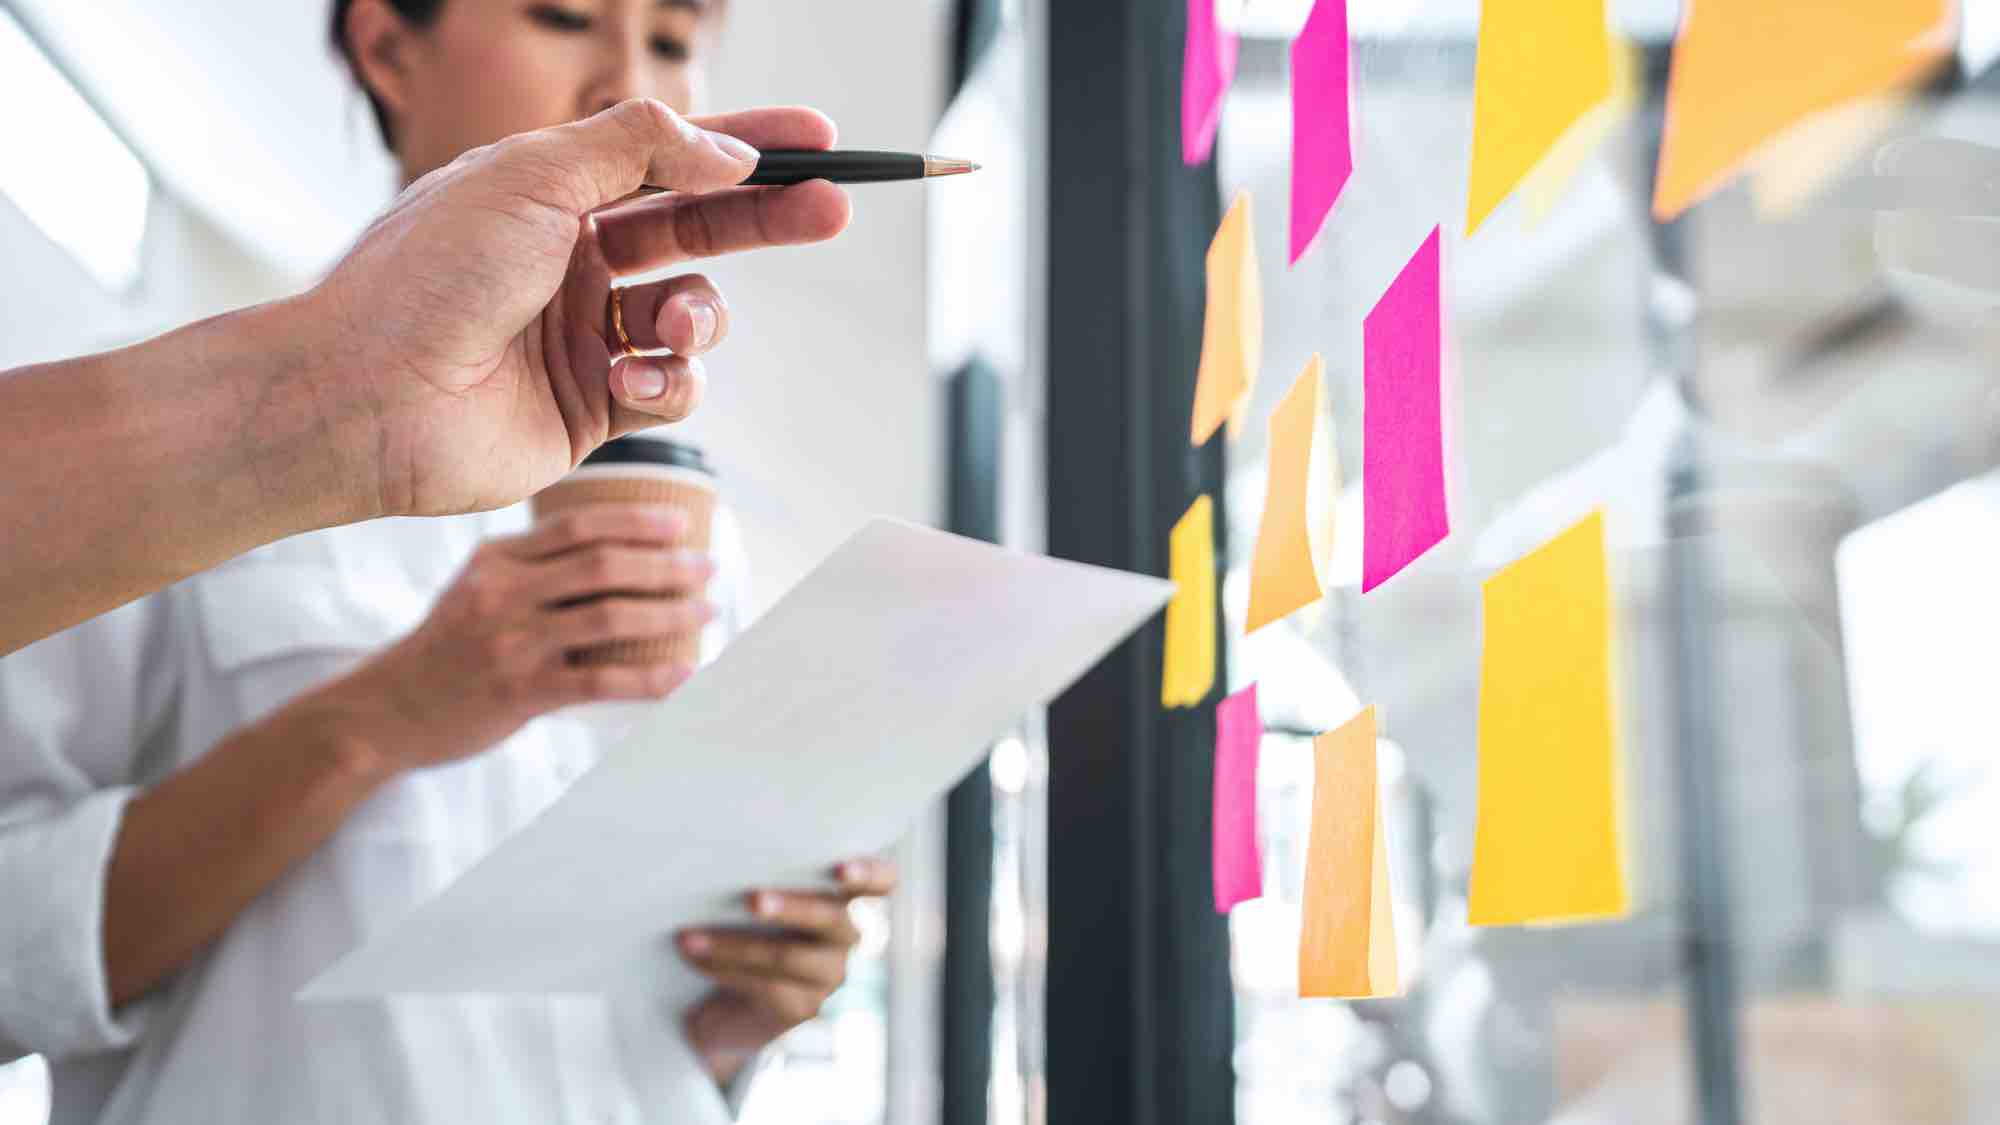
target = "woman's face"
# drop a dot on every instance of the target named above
(488, 69)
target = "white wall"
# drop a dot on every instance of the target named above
(822, 407)
(51, 309)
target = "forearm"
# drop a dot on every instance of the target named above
(194, 851)
(124, 472)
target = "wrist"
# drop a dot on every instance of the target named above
(348, 740)
(322, 428)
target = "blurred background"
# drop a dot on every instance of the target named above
(1795, 441)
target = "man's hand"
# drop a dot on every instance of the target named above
(768, 984)
(471, 322)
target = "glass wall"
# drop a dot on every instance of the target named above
(1794, 441)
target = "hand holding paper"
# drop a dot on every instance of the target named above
(819, 734)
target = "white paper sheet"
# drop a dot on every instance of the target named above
(821, 734)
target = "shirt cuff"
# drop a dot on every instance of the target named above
(55, 997)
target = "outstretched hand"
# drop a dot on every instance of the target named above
(473, 317)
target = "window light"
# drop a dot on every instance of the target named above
(65, 168)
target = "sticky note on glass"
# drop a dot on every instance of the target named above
(1549, 845)
(1189, 667)
(1544, 186)
(1295, 537)
(1544, 66)
(1347, 937)
(1322, 149)
(1404, 512)
(1232, 339)
(1746, 71)
(1207, 69)
(1239, 869)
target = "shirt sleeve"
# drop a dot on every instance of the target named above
(75, 712)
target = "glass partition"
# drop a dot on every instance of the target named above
(1793, 440)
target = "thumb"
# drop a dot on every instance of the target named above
(602, 159)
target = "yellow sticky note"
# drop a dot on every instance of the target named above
(1545, 184)
(1232, 342)
(1549, 844)
(1189, 668)
(1543, 65)
(1295, 536)
(1746, 71)
(1347, 939)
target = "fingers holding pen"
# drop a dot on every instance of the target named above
(665, 230)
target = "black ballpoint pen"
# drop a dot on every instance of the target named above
(778, 167)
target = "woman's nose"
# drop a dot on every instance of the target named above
(621, 75)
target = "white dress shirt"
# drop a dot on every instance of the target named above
(92, 715)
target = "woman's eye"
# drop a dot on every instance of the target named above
(672, 50)
(558, 18)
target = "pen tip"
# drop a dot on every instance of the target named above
(946, 166)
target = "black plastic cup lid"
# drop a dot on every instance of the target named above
(638, 449)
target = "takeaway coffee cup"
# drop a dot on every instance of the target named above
(641, 470)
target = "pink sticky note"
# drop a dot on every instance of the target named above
(1402, 446)
(1207, 71)
(1322, 152)
(1239, 729)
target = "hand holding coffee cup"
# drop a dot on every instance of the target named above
(641, 470)
(510, 639)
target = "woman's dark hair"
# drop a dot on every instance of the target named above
(420, 13)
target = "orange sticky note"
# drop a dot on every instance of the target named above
(1746, 71)
(1543, 66)
(1188, 671)
(1295, 537)
(1347, 940)
(1789, 171)
(1549, 843)
(1232, 342)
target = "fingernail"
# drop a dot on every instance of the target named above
(695, 943)
(732, 147)
(707, 611)
(644, 381)
(766, 904)
(848, 872)
(703, 319)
